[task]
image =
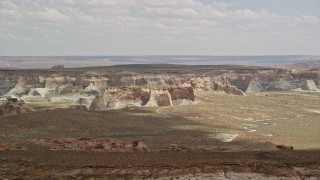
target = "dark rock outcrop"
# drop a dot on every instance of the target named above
(163, 100)
(98, 104)
(87, 144)
(79, 107)
(57, 67)
(283, 147)
(14, 106)
(182, 93)
(228, 89)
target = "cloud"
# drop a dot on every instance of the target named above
(309, 19)
(213, 24)
(47, 15)
(8, 36)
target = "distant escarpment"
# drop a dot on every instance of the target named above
(102, 89)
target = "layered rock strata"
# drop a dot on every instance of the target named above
(150, 88)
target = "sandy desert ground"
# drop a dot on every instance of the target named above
(241, 129)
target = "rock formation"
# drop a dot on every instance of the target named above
(283, 147)
(58, 67)
(182, 93)
(228, 89)
(14, 106)
(79, 107)
(179, 148)
(120, 97)
(160, 98)
(98, 104)
(311, 86)
(254, 86)
(83, 101)
(107, 145)
(39, 92)
(156, 87)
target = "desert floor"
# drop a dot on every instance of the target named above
(249, 126)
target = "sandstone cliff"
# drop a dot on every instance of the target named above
(156, 87)
(98, 104)
(14, 106)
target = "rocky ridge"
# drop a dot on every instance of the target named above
(101, 90)
(13, 106)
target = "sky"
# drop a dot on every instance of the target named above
(159, 27)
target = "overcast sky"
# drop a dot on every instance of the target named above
(159, 27)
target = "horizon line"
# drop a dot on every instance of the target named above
(153, 55)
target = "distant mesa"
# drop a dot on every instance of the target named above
(58, 67)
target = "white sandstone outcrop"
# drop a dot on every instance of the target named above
(39, 92)
(311, 85)
(154, 88)
(254, 86)
(159, 98)
(98, 104)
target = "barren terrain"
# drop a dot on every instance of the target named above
(258, 121)
(221, 122)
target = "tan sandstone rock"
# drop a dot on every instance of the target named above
(98, 104)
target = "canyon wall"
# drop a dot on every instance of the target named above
(102, 90)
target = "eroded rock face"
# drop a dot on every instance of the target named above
(254, 86)
(53, 84)
(159, 97)
(147, 96)
(58, 67)
(8, 81)
(179, 148)
(120, 97)
(164, 100)
(83, 101)
(182, 93)
(79, 107)
(108, 145)
(152, 89)
(283, 147)
(311, 86)
(14, 106)
(247, 84)
(228, 89)
(98, 104)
